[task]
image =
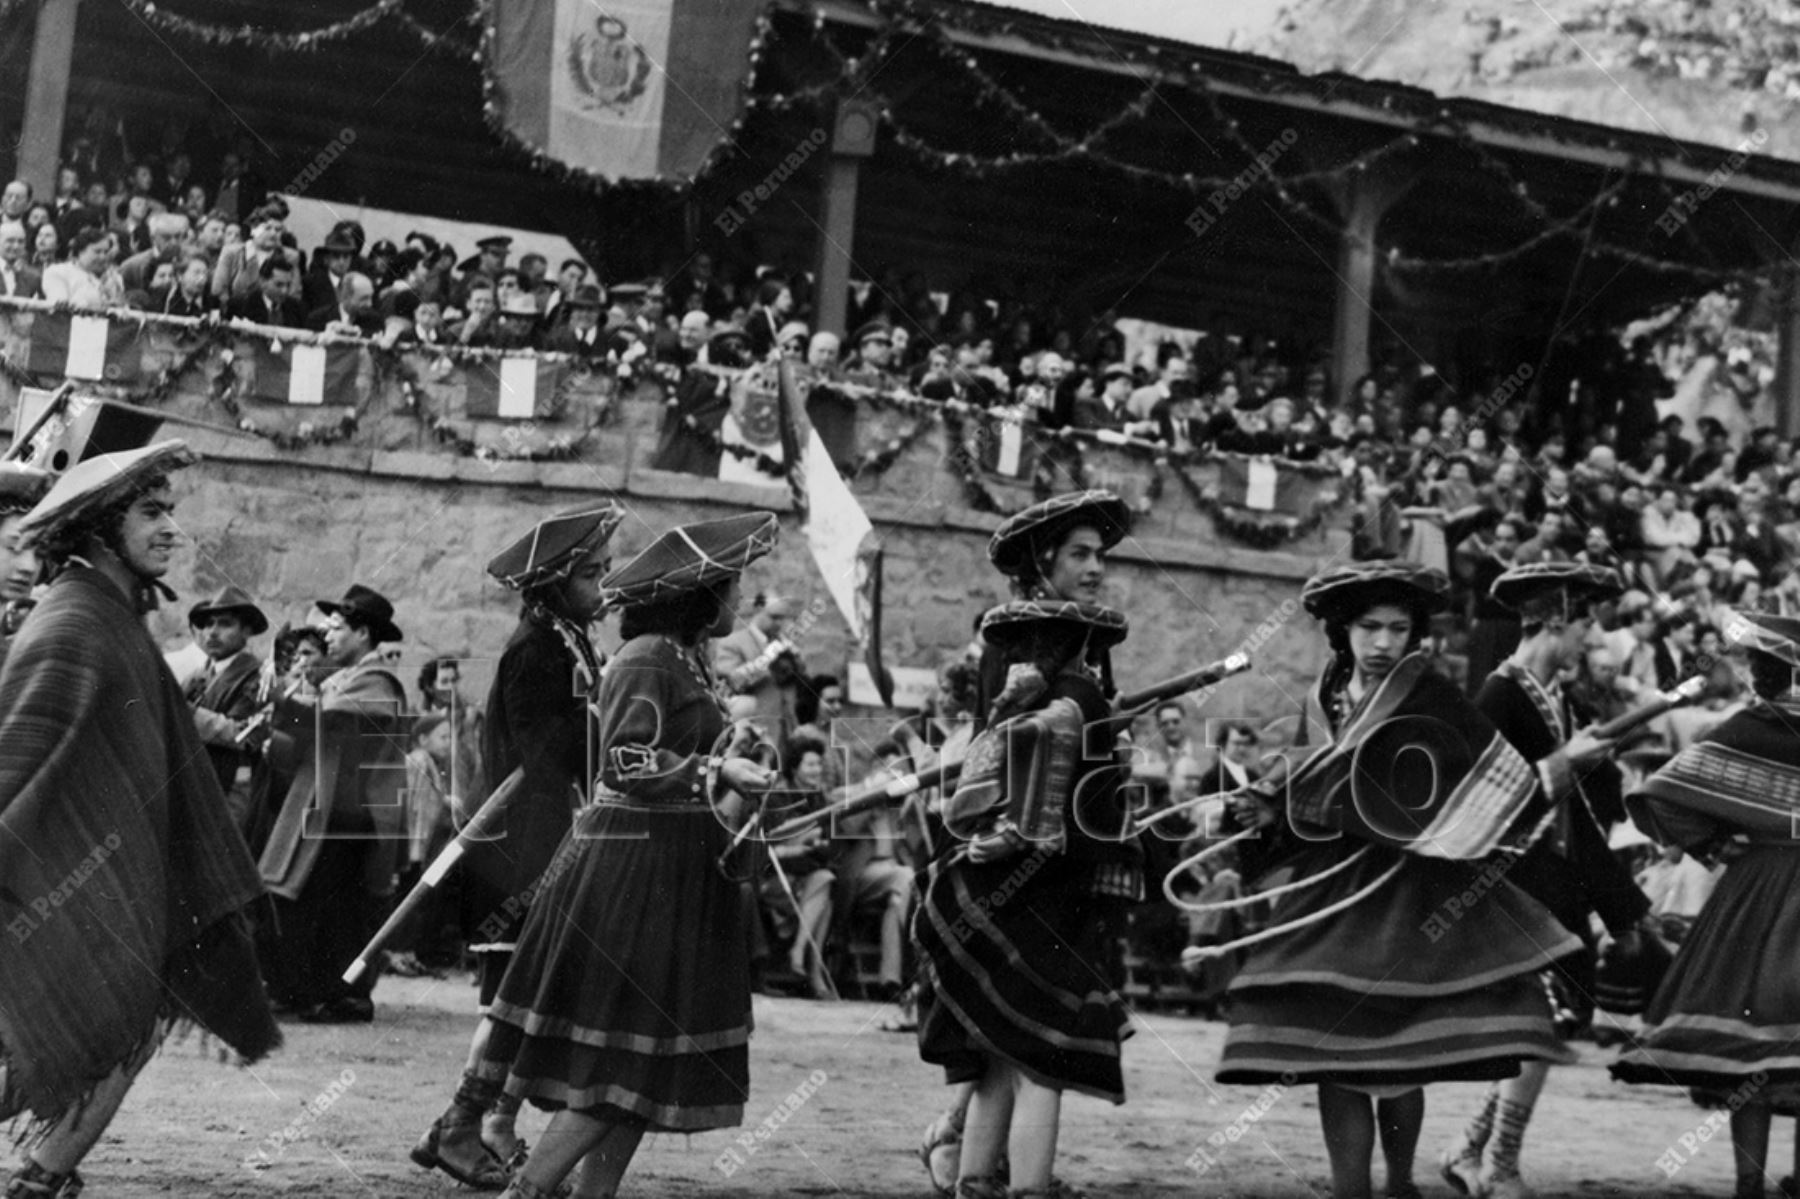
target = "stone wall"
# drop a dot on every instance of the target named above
(420, 528)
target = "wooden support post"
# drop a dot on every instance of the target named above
(1787, 360)
(837, 233)
(852, 139)
(47, 95)
(1362, 200)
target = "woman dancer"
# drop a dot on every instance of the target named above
(627, 1005)
(1019, 923)
(537, 718)
(1055, 550)
(1373, 979)
(1722, 1021)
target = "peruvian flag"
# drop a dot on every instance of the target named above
(293, 372)
(513, 388)
(84, 347)
(1261, 485)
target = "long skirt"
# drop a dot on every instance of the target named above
(1432, 977)
(1728, 1010)
(628, 996)
(1017, 964)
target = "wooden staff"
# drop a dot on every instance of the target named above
(483, 821)
(1130, 707)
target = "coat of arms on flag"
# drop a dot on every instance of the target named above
(625, 89)
(753, 427)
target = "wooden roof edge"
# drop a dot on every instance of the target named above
(1249, 76)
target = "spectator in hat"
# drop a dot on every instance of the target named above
(874, 349)
(1110, 409)
(793, 339)
(332, 261)
(329, 890)
(580, 332)
(228, 691)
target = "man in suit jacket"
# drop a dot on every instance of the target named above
(17, 276)
(352, 312)
(1108, 409)
(330, 266)
(580, 331)
(227, 693)
(168, 234)
(333, 853)
(761, 669)
(274, 302)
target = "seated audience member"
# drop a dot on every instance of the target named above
(17, 276)
(353, 313)
(871, 878)
(79, 282)
(797, 895)
(190, 296)
(579, 333)
(273, 303)
(477, 326)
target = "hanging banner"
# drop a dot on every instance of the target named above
(85, 347)
(294, 372)
(624, 89)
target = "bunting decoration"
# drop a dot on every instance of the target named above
(516, 387)
(81, 346)
(309, 375)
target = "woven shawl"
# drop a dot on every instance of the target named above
(122, 878)
(1743, 776)
(1415, 767)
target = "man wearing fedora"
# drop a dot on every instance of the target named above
(227, 692)
(330, 264)
(579, 330)
(332, 855)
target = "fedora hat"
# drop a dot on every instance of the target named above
(369, 608)
(233, 601)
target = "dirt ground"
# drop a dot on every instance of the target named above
(334, 1112)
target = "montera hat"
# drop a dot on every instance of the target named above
(689, 557)
(555, 545)
(1104, 627)
(231, 601)
(370, 608)
(1777, 636)
(1519, 586)
(21, 487)
(99, 482)
(1023, 535)
(1325, 595)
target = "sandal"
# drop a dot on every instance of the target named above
(489, 1175)
(943, 1133)
(988, 1187)
(32, 1181)
(1058, 1189)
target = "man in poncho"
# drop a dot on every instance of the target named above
(122, 878)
